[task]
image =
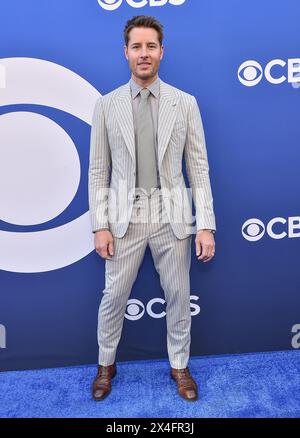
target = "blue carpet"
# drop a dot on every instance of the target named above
(248, 385)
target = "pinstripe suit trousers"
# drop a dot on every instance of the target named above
(172, 259)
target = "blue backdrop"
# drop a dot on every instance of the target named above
(242, 64)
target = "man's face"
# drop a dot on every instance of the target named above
(144, 52)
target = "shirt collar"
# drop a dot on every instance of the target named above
(153, 88)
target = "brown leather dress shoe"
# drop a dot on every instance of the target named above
(102, 382)
(187, 387)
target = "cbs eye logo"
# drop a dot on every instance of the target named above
(250, 73)
(40, 168)
(112, 5)
(136, 309)
(253, 229)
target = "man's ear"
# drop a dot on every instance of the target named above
(162, 52)
(126, 52)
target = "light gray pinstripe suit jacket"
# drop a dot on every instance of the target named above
(112, 164)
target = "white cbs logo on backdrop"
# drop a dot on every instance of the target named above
(250, 73)
(254, 229)
(154, 308)
(40, 167)
(112, 5)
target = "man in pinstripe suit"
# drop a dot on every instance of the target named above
(138, 197)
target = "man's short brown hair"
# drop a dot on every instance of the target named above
(143, 21)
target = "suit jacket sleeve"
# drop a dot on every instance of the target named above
(99, 169)
(197, 169)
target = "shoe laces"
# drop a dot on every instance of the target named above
(185, 378)
(103, 371)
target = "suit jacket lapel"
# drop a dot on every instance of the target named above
(166, 118)
(124, 115)
(168, 104)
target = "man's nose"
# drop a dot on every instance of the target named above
(144, 52)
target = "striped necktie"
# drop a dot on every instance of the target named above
(146, 160)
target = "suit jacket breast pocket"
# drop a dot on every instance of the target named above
(179, 132)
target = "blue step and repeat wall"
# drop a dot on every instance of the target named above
(242, 62)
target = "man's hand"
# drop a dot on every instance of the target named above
(205, 241)
(104, 244)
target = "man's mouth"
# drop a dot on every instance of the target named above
(144, 63)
